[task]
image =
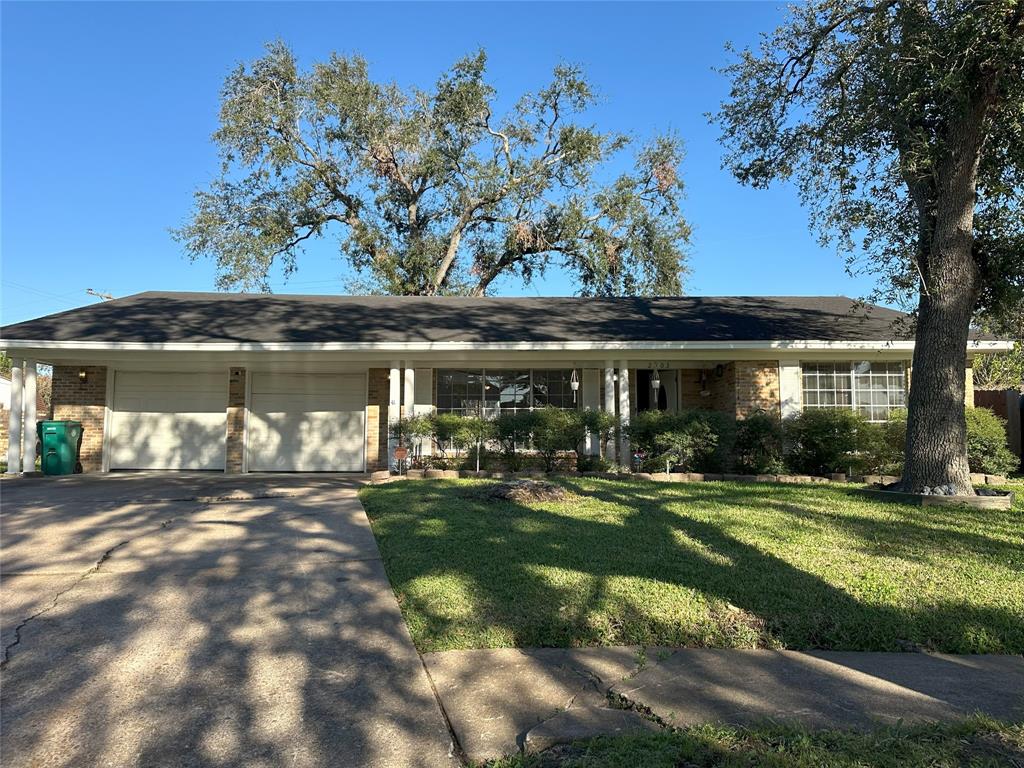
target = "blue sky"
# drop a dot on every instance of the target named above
(108, 109)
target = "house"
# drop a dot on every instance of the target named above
(252, 382)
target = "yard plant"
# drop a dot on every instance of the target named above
(712, 564)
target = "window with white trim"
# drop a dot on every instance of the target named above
(873, 389)
(490, 391)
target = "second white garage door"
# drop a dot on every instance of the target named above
(307, 423)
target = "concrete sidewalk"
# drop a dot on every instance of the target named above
(505, 700)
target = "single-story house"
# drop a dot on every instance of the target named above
(253, 382)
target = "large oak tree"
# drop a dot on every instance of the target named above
(902, 124)
(431, 191)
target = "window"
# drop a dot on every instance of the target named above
(873, 389)
(492, 391)
(459, 391)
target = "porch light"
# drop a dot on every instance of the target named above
(82, 374)
(655, 380)
(574, 384)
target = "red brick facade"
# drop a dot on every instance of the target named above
(757, 387)
(84, 401)
(235, 448)
(377, 418)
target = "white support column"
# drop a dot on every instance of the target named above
(791, 392)
(394, 403)
(625, 457)
(28, 433)
(609, 407)
(590, 397)
(409, 390)
(15, 423)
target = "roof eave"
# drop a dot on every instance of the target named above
(978, 345)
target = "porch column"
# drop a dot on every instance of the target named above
(609, 407)
(28, 430)
(394, 404)
(625, 457)
(409, 390)
(590, 384)
(14, 425)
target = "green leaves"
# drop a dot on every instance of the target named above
(871, 109)
(432, 192)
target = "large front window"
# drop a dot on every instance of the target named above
(469, 391)
(872, 389)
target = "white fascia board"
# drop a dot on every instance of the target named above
(465, 346)
(468, 346)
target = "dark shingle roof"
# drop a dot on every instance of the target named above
(267, 318)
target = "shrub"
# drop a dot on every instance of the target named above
(987, 451)
(555, 431)
(819, 441)
(512, 431)
(449, 433)
(758, 445)
(685, 440)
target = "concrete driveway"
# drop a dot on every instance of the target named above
(187, 620)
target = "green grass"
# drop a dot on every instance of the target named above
(977, 742)
(701, 564)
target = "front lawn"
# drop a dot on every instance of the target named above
(701, 564)
(978, 742)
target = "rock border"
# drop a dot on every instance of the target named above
(1000, 501)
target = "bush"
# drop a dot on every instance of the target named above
(513, 431)
(688, 440)
(820, 441)
(987, 451)
(758, 445)
(555, 431)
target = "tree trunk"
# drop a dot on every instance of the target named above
(936, 451)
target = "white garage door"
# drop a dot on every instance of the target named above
(307, 423)
(168, 420)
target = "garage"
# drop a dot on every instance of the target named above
(162, 420)
(307, 422)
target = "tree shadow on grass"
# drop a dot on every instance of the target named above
(636, 570)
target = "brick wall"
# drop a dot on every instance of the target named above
(377, 415)
(757, 387)
(5, 424)
(84, 401)
(235, 448)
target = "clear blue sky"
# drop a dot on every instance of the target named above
(108, 109)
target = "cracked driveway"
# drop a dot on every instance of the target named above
(187, 620)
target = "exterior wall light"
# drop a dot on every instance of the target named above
(82, 375)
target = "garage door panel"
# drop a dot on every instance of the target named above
(307, 423)
(168, 421)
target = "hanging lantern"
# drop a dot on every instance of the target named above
(574, 384)
(655, 380)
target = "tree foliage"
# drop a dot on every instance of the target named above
(431, 191)
(863, 106)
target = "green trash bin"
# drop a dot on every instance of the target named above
(60, 441)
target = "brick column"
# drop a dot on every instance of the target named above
(235, 448)
(75, 399)
(377, 414)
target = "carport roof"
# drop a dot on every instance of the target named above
(253, 319)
